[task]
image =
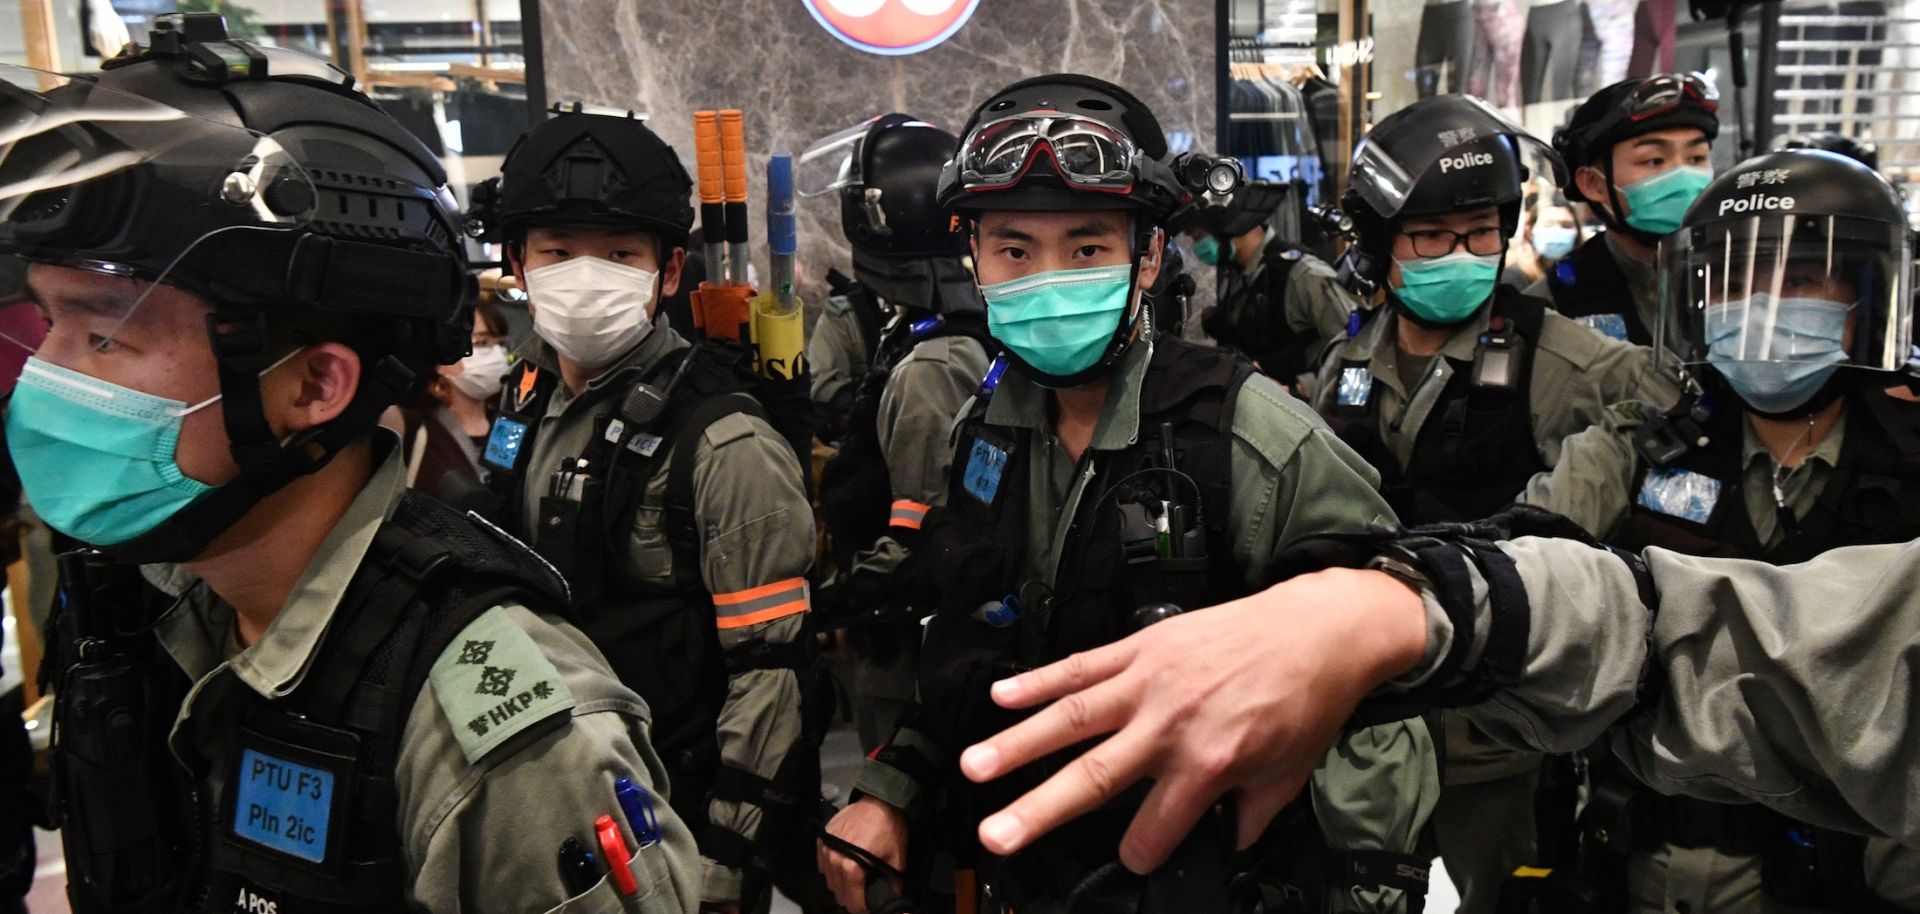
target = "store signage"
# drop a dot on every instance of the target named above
(891, 27)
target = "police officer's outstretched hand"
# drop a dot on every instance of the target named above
(1243, 698)
(870, 824)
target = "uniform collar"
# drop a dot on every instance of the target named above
(1020, 403)
(1639, 273)
(1827, 452)
(196, 633)
(645, 356)
(1380, 339)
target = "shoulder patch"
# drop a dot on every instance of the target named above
(1270, 420)
(493, 682)
(730, 428)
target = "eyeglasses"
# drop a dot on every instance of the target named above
(1087, 153)
(1489, 239)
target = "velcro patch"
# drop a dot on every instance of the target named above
(493, 682)
(729, 428)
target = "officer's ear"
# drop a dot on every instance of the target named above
(671, 268)
(312, 388)
(1150, 254)
(516, 253)
(1592, 184)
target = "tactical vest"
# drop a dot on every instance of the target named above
(1476, 451)
(1590, 287)
(1696, 503)
(1120, 568)
(661, 639)
(856, 494)
(327, 751)
(1253, 317)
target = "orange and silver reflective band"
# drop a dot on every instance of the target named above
(908, 514)
(765, 603)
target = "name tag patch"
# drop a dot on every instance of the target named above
(503, 443)
(283, 805)
(986, 464)
(1612, 325)
(1356, 386)
(1680, 493)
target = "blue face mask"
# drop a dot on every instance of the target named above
(1207, 251)
(1061, 321)
(1779, 373)
(1657, 204)
(1554, 241)
(1447, 290)
(97, 460)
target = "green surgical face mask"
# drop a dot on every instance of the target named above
(1447, 290)
(1207, 250)
(1657, 204)
(1059, 322)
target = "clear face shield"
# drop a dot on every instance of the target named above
(832, 162)
(84, 169)
(1801, 291)
(1387, 179)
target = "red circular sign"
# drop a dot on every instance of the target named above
(892, 27)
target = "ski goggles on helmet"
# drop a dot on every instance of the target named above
(1087, 153)
(1658, 96)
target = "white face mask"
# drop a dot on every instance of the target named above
(590, 309)
(481, 372)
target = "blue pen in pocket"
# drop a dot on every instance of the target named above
(638, 806)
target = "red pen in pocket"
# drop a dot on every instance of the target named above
(614, 848)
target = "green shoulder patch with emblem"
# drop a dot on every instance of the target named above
(493, 682)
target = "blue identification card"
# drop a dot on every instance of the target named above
(282, 805)
(503, 443)
(985, 465)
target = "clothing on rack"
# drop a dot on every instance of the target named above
(1653, 25)
(1500, 27)
(1444, 52)
(1550, 54)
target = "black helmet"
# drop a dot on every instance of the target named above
(258, 179)
(1769, 241)
(1438, 155)
(1104, 151)
(1622, 111)
(582, 168)
(1860, 151)
(887, 170)
(906, 247)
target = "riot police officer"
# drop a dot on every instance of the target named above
(891, 468)
(350, 698)
(647, 471)
(1105, 478)
(1791, 450)
(1278, 303)
(1461, 390)
(1636, 153)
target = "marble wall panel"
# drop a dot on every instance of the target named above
(796, 82)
